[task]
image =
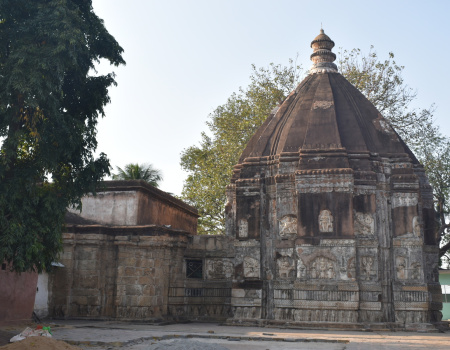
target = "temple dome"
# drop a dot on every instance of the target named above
(325, 112)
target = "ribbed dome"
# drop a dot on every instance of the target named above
(325, 113)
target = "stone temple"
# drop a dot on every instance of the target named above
(332, 213)
(329, 224)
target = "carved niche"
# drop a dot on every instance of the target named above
(351, 268)
(322, 268)
(416, 269)
(364, 224)
(251, 267)
(288, 226)
(243, 228)
(400, 267)
(416, 226)
(219, 269)
(301, 269)
(325, 221)
(366, 266)
(286, 267)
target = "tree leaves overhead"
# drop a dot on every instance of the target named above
(49, 106)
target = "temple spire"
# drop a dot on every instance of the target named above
(322, 56)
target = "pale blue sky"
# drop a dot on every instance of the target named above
(184, 58)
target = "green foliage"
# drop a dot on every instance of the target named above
(231, 125)
(136, 171)
(49, 106)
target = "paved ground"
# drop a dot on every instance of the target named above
(96, 335)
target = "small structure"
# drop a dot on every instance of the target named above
(332, 214)
(120, 253)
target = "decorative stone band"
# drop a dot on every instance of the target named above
(337, 242)
(325, 183)
(323, 67)
(403, 199)
(325, 171)
(312, 304)
(281, 178)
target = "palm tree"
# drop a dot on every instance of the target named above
(136, 171)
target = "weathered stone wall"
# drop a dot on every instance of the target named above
(116, 272)
(209, 296)
(333, 245)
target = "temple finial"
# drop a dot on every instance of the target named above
(322, 56)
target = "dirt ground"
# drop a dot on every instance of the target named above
(39, 343)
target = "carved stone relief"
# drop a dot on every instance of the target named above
(219, 269)
(366, 266)
(351, 268)
(325, 221)
(322, 104)
(301, 269)
(286, 267)
(416, 226)
(364, 224)
(243, 228)
(400, 266)
(416, 271)
(288, 226)
(432, 268)
(404, 200)
(251, 267)
(322, 268)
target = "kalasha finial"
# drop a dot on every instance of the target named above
(322, 56)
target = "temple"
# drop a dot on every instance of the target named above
(332, 213)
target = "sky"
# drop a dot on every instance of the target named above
(185, 58)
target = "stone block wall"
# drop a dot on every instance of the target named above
(203, 296)
(116, 272)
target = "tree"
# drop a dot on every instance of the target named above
(231, 125)
(50, 100)
(136, 171)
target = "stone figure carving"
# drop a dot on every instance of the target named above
(322, 268)
(416, 226)
(366, 266)
(301, 269)
(219, 269)
(285, 267)
(243, 228)
(401, 267)
(351, 268)
(364, 224)
(251, 267)
(288, 225)
(325, 221)
(416, 271)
